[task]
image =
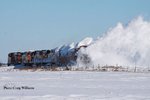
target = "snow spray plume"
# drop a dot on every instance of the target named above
(122, 45)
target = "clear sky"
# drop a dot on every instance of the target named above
(45, 24)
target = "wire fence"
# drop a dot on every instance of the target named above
(80, 68)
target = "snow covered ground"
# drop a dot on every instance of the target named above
(74, 85)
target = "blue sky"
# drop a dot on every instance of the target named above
(45, 24)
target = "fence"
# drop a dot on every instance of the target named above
(83, 68)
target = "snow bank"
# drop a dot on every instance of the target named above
(7, 69)
(122, 45)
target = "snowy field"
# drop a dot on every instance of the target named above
(74, 85)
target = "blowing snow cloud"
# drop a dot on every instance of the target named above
(122, 45)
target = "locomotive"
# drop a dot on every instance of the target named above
(41, 58)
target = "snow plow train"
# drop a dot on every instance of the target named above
(41, 58)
